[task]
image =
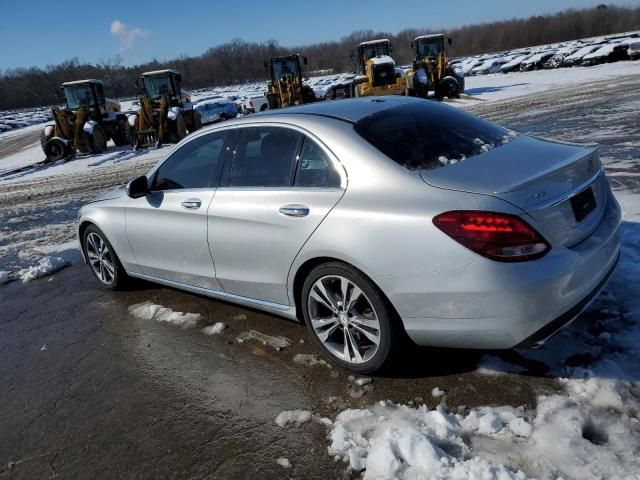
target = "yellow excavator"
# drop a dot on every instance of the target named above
(285, 87)
(376, 73)
(431, 70)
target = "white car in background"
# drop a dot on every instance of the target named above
(490, 66)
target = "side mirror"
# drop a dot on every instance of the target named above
(56, 92)
(265, 66)
(450, 41)
(411, 45)
(351, 54)
(138, 187)
(304, 59)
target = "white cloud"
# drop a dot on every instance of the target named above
(126, 35)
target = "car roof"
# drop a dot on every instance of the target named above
(348, 110)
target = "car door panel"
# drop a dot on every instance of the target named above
(170, 241)
(254, 244)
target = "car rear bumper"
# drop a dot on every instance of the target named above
(492, 305)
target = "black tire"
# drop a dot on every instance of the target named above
(119, 279)
(97, 140)
(57, 149)
(390, 332)
(197, 121)
(177, 129)
(123, 133)
(43, 137)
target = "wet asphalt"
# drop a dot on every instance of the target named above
(89, 391)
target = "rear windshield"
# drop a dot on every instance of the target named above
(426, 135)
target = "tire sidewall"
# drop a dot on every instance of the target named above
(379, 303)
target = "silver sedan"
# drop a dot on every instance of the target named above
(370, 220)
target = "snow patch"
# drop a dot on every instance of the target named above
(276, 342)
(309, 360)
(292, 417)
(151, 311)
(214, 329)
(4, 277)
(283, 462)
(45, 266)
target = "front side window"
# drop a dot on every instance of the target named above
(265, 157)
(314, 168)
(426, 135)
(194, 165)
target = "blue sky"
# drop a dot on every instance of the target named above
(37, 32)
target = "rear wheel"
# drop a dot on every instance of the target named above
(102, 259)
(348, 317)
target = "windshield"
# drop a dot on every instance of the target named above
(285, 67)
(78, 96)
(375, 50)
(426, 135)
(429, 47)
(158, 86)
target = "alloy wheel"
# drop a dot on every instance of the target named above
(343, 319)
(100, 258)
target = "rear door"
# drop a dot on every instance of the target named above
(275, 191)
(167, 228)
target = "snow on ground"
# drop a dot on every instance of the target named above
(151, 311)
(296, 418)
(45, 266)
(309, 360)
(501, 86)
(275, 342)
(11, 120)
(113, 156)
(214, 329)
(284, 462)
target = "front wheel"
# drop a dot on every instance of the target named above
(349, 318)
(102, 259)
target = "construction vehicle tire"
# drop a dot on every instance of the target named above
(197, 121)
(177, 129)
(123, 134)
(43, 136)
(97, 140)
(56, 149)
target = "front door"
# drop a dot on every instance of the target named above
(276, 191)
(167, 228)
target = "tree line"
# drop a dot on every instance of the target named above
(239, 61)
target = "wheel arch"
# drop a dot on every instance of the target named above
(308, 265)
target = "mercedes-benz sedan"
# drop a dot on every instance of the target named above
(370, 220)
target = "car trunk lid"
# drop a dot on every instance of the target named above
(561, 186)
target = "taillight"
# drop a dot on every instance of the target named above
(498, 236)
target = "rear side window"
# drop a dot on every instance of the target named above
(426, 135)
(314, 168)
(196, 164)
(265, 157)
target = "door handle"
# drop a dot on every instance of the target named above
(294, 210)
(191, 203)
